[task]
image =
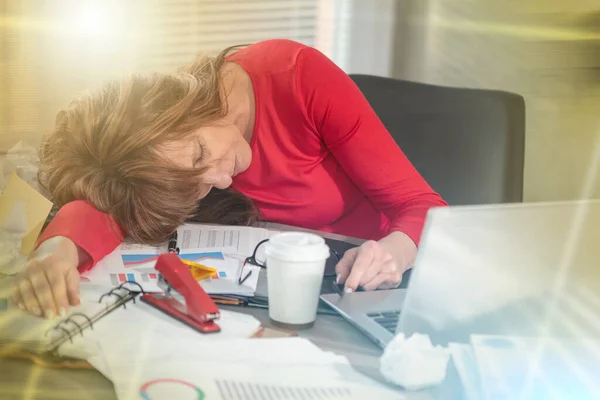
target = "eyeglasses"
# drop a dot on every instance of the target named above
(245, 273)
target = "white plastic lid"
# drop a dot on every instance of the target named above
(297, 247)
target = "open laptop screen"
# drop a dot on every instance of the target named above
(527, 270)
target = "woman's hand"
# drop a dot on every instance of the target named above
(50, 281)
(377, 265)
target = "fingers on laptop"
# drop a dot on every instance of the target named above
(368, 267)
(344, 266)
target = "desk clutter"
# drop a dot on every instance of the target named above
(219, 249)
(102, 316)
(155, 343)
(129, 324)
(289, 368)
(148, 354)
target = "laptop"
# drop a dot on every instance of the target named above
(376, 313)
(489, 269)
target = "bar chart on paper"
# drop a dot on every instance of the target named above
(235, 390)
(148, 260)
(228, 389)
(140, 278)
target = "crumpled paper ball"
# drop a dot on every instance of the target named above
(12, 231)
(414, 363)
(23, 159)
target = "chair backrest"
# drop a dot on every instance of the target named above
(467, 143)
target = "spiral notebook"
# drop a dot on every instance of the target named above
(23, 333)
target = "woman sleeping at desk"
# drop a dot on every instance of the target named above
(273, 131)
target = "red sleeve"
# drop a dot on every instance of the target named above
(362, 145)
(93, 231)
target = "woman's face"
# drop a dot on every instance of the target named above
(220, 149)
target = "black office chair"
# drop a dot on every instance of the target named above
(468, 144)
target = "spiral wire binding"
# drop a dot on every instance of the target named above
(123, 299)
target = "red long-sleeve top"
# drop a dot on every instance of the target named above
(321, 158)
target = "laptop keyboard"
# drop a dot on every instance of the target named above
(388, 320)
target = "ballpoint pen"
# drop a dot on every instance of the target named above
(240, 302)
(199, 271)
(172, 246)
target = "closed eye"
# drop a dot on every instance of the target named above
(200, 154)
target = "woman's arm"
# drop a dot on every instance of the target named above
(362, 145)
(373, 160)
(94, 233)
(75, 240)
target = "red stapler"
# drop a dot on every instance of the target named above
(199, 310)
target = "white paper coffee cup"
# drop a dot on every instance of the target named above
(295, 268)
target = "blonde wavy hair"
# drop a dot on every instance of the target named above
(105, 149)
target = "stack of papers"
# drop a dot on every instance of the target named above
(148, 354)
(223, 248)
(288, 368)
(123, 333)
